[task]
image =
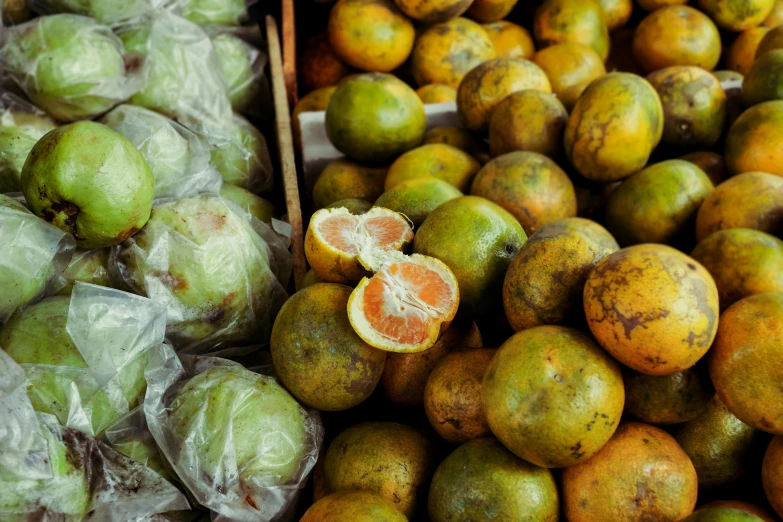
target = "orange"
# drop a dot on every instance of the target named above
(436, 93)
(416, 198)
(385, 458)
(653, 308)
(460, 138)
(763, 81)
(406, 305)
(574, 21)
(486, 85)
(743, 262)
(742, 506)
(750, 200)
(617, 12)
(712, 163)
(354, 206)
(356, 506)
(316, 353)
(371, 35)
(614, 127)
(742, 52)
(434, 161)
(676, 35)
(319, 66)
(755, 140)
(490, 10)
(570, 68)
(314, 101)
(772, 40)
(405, 374)
(737, 16)
(452, 397)
(445, 52)
(772, 474)
(510, 40)
(641, 474)
(530, 186)
(658, 204)
(652, 5)
(775, 16)
(431, 12)
(337, 243)
(346, 179)
(694, 106)
(668, 399)
(527, 120)
(544, 283)
(531, 386)
(720, 514)
(746, 361)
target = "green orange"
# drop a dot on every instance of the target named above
(346, 179)
(416, 198)
(668, 399)
(434, 161)
(527, 120)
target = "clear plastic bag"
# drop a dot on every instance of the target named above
(35, 254)
(216, 12)
(220, 273)
(243, 66)
(184, 79)
(84, 356)
(179, 160)
(105, 11)
(87, 266)
(245, 162)
(238, 440)
(52, 473)
(70, 66)
(21, 126)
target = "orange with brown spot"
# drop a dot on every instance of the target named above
(319, 66)
(570, 68)
(527, 120)
(641, 474)
(653, 308)
(574, 21)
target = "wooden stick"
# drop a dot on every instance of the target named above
(289, 51)
(285, 144)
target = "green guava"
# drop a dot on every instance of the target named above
(146, 452)
(33, 253)
(237, 58)
(87, 266)
(105, 11)
(19, 132)
(37, 339)
(229, 416)
(217, 12)
(205, 263)
(246, 162)
(15, 12)
(69, 65)
(90, 181)
(184, 79)
(254, 205)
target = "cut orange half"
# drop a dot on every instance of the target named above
(406, 305)
(341, 246)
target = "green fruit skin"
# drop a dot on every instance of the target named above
(89, 181)
(355, 206)
(718, 444)
(416, 198)
(231, 406)
(63, 61)
(374, 117)
(482, 481)
(718, 514)
(37, 336)
(105, 11)
(671, 399)
(218, 12)
(19, 132)
(146, 452)
(245, 163)
(88, 266)
(763, 81)
(237, 58)
(494, 237)
(254, 205)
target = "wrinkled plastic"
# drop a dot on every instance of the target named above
(220, 273)
(87, 266)
(34, 256)
(179, 160)
(245, 162)
(238, 440)
(105, 11)
(70, 66)
(243, 66)
(216, 12)
(84, 357)
(52, 473)
(184, 79)
(22, 124)
(130, 436)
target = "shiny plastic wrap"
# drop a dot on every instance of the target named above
(130, 436)
(34, 256)
(245, 162)
(84, 355)
(216, 12)
(238, 440)
(21, 125)
(69, 65)
(105, 11)
(179, 160)
(184, 79)
(51, 473)
(243, 66)
(87, 266)
(220, 273)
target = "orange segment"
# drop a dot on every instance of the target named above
(338, 232)
(387, 231)
(405, 306)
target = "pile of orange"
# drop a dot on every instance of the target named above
(585, 275)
